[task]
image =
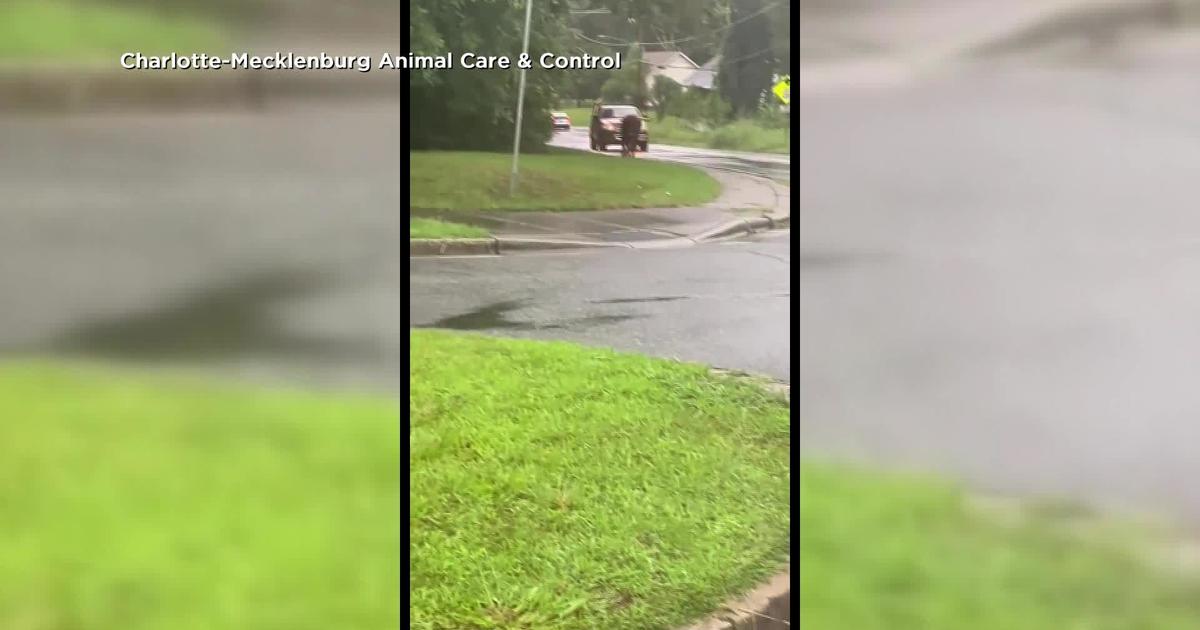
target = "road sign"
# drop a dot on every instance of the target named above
(783, 90)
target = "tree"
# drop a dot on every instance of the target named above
(781, 37)
(700, 106)
(586, 85)
(624, 84)
(476, 109)
(747, 59)
(666, 92)
(690, 26)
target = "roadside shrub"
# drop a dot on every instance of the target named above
(772, 116)
(463, 109)
(666, 92)
(678, 130)
(619, 88)
(701, 106)
(622, 85)
(748, 135)
(741, 135)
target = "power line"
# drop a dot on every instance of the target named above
(585, 38)
(718, 30)
(623, 44)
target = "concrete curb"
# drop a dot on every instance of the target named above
(534, 244)
(768, 607)
(453, 247)
(743, 226)
(500, 245)
(768, 383)
(494, 246)
(45, 88)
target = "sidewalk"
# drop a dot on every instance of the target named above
(747, 204)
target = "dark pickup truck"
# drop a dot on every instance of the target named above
(605, 128)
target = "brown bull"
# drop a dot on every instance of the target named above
(631, 128)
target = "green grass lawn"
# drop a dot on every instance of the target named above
(60, 30)
(742, 135)
(892, 553)
(580, 116)
(556, 181)
(433, 228)
(156, 503)
(559, 487)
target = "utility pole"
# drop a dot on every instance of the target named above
(512, 181)
(641, 66)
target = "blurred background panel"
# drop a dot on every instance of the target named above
(200, 218)
(998, 291)
(183, 255)
(998, 243)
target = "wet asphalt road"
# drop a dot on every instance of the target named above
(1010, 290)
(724, 304)
(774, 166)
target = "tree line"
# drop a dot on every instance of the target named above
(464, 109)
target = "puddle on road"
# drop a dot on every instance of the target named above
(213, 323)
(489, 317)
(494, 316)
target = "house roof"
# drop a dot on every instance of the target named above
(667, 58)
(680, 68)
(705, 77)
(668, 63)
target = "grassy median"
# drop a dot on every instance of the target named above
(148, 503)
(559, 181)
(580, 116)
(434, 228)
(560, 487)
(906, 553)
(93, 31)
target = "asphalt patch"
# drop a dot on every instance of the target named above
(494, 316)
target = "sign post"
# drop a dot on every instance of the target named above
(512, 182)
(783, 90)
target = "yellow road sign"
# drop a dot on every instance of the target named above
(783, 90)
